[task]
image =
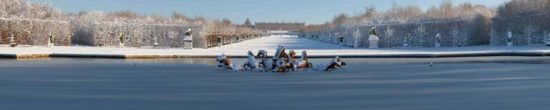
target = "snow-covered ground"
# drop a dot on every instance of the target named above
(290, 42)
(314, 49)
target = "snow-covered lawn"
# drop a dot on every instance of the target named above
(290, 42)
(314, 48)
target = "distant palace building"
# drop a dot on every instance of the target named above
(265, 26)
(270, 26)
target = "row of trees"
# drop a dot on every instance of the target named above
(409, 14)
(444, 12)
(24, 9)
(406, 24)
(526, 20)
(523, 7)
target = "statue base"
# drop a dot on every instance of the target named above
(373, 44)
(13, 44)
(51, 44)
(373, 41)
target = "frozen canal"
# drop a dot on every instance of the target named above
(487, 83)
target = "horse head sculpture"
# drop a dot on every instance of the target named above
(251, 63)
(221, 60)
(226, 63)
(264, 62)
(280, 53)
(303, 62)
(281, 66)
(335, 64)
(262, 54)
(304, 55)
(281, 60)
(283, 54)
(250, 54)
(292, 56)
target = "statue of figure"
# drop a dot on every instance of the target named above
(13, 43)
(188, 39)
(219, 40)
(264, 63)
(509, 41)
(155, 43)
(188, 32)
(373, 31)
(304, 61)
(121, 40)
(51, 40)
(438, 40)
(373, 39)
(251, 64)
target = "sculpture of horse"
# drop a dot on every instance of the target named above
(281, 59)
(304, 61)
(292, 56)
(264, 63)
(334, 64)
(281, 66)
(251, 64)
(226, 63)
(221, 60)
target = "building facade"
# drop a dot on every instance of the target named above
(269, 26)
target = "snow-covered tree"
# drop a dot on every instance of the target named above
(514, 7)
(546, 37)
(27, 9)
(388, 33)
(529, 31)
(420, 34)
(493, 38)
(455, 35)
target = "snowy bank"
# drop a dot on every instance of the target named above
(315, 49)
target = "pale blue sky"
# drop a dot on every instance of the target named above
(309, 11)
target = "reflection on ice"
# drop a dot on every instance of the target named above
(92, 84)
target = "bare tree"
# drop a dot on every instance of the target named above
(462, 39)
(493, 38)
(455, 34)
(514, 7)
(369, 12)
(420, 33)
(388, 33)
(26, 9)
(226, 21)
(546, 37)
(339, 20)
(529, 31)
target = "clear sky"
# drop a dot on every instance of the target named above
(309, 11)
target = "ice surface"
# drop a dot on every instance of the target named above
(486, 83)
